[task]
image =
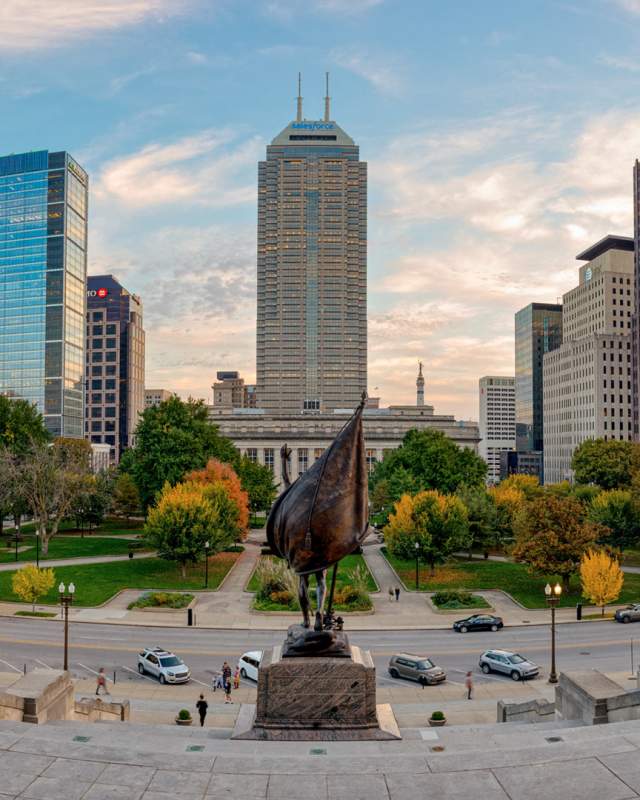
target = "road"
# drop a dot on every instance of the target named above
(37, 643)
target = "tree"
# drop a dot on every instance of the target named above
(30, 583)
(509, 501)
(552, 535)
(126, 498)
(601, 578)
(436, 521)
(171, 439)
(257, 481)
(529, 485)
(609, 464)
(619, 511)
(427, 459)
(482, 513)
(233, 501)
(183, 519)
(94, 501)
(21, 425)
(53, 478)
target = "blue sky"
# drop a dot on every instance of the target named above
(500, 137)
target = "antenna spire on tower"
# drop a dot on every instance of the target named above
(327, 100)
(299, 109)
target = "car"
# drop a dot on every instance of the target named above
(249, 664)
(416, 668)
(629, 614)
(512, 664)
(478, 622)
(164, 665)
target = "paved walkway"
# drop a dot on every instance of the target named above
(72, 562)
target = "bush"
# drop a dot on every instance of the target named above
(184, 713)
(437, 715)
(442, 598)
(274, 576)
(285, 598)
(234, 548)
(162, 600)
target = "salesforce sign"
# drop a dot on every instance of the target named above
(313, 126)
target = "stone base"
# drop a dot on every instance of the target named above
(316, 699)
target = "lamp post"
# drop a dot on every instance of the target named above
(417, 557)
(37, 549)
(553, 598)
(206, 564)
(66, 598)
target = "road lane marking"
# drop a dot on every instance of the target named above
(139, 674)
(206, 685)
(84, 666)
(15, 669)
(42, 663)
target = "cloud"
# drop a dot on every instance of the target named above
(632, 6)
(195, 57)
(620, 62)
(384, 77)
(118, 83)
(346, 6)
(40, 24)
(285, 10)
(202, 168)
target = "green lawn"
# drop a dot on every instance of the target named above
(96, 583)
(65, 546)
(512, 578)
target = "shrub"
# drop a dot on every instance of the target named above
(285, 598)
(437, 715)
(184, 713)
(275, 576)
(162, 600)
(443, 598)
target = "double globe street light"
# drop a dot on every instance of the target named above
(553, 598)
(66, 598)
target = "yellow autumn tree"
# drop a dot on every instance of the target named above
(601, 577)
(30, 583)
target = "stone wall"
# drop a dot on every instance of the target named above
(526, 711)
(594, 699)
(94, 709)
(38, 697)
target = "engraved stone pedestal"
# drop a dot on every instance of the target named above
(316, 699)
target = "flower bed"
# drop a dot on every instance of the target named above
(162, 601)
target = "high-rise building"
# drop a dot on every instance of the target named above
(230, 391)
(635, 329)
(588, 380)
(497, 421)
(312, 269)
(115, 364)
(538, 330)
(43, 268)
(153, 397)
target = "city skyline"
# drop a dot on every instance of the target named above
(496, 153)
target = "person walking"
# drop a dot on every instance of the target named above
(101, 682)
(468, 682)
(397, 594)
(202, 707)
(391, 594)
(227, 691)
(226, 672)
(236, 678)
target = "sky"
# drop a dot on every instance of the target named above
(500, 137)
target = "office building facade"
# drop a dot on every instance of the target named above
(43, 268)
(588, 380)
(497, 421)
(230, 391)
(115, 394)
(312, 270)
(635, 319)
(153, 397)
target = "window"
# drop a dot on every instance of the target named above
(110, 369)
(111, 330)
(111, 356)
(110, 344)
(96, 344)
(303, 460)
(96, 384)
(96, 357)
(110, 411)
(252, 455)
(97, 330)
(96, 370)
(96, 412)
(110, 383)
(96, 427)
(109, 398)
(269, 458)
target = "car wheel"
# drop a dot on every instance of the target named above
(394, 673)
(494, 628)
(243, 673)
(464, 629)
(141, 669)
(626, 619)
(515, 675)
(486, 669)
(163, 680)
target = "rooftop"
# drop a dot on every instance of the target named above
(608, 242)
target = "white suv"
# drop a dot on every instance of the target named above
(166, 666)
(249, 664)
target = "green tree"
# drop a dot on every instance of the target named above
(171, 439)
(482, 513)
(609, 464)
(617, 510)
(126, 498)
(21, 425)
(553, 534)
(428, 459)
(257, 481)
(95, 500)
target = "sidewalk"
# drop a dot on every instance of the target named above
(11, 566)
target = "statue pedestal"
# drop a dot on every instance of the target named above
(315, 699)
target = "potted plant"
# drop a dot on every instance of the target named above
(437, 719)
(184, 717)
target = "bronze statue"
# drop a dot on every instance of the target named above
(323, 515)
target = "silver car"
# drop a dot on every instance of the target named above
(416, 668)
(512, 664)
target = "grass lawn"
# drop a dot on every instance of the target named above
(64, 546)
(96, 583)
(512, 578)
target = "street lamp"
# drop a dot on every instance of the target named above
(417, 556)
(37, 548)
(553, 598)
(66, 598)
(206, 564)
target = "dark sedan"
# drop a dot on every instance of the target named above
(478, 622)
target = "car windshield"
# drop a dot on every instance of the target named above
(426, 663)
(171, 661)
(517, 659)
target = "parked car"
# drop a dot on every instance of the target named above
(478, 622)
(512, 664)
(164, 665)
(416, 668)
(628, 614)
(249, 664)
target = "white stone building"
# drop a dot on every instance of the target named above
(497, 421)
(587, 381)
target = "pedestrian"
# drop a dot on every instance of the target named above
(227, 691)
(391, 594)
(468, 682)
(202, 707)
(226, 672)
(236, 678)
(101, 682)
(397, 594)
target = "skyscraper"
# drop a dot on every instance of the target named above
(115, 364)
(635, 319)
(312, 269)
(43, 267)
(497, 421)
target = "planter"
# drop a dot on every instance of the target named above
(184, 721)
(437, 723)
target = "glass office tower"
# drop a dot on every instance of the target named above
(538, 330)
(43, 267)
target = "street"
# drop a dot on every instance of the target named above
(33, 643)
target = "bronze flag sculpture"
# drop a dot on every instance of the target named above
(323, 515)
